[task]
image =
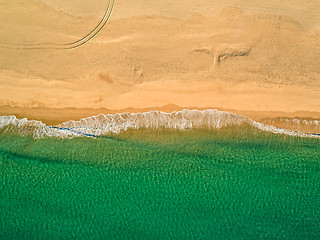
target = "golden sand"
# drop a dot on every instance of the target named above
(251, 58)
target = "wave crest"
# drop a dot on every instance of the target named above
(102, 124)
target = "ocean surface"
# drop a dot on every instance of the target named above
(229, 179)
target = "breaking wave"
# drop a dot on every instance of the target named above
(102, 124)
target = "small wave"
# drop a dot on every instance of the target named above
(32, 127)
(102, 124)
(304, 125)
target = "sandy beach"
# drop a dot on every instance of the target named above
(256, 59)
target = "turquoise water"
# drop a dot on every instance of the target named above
(161, 184)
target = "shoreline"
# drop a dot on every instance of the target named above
(55, 116)
(102, 124)
(58, 115)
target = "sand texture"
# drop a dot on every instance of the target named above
(250, 57)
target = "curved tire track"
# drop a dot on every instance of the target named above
(66, 46)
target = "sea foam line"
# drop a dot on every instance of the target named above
(100, 125)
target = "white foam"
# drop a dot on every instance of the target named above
(31, 127)
(315, 124)
(115, 123)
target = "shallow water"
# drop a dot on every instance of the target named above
(232, 183)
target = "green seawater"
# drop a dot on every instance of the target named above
(233, 183)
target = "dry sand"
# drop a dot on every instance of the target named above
(255, 58)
